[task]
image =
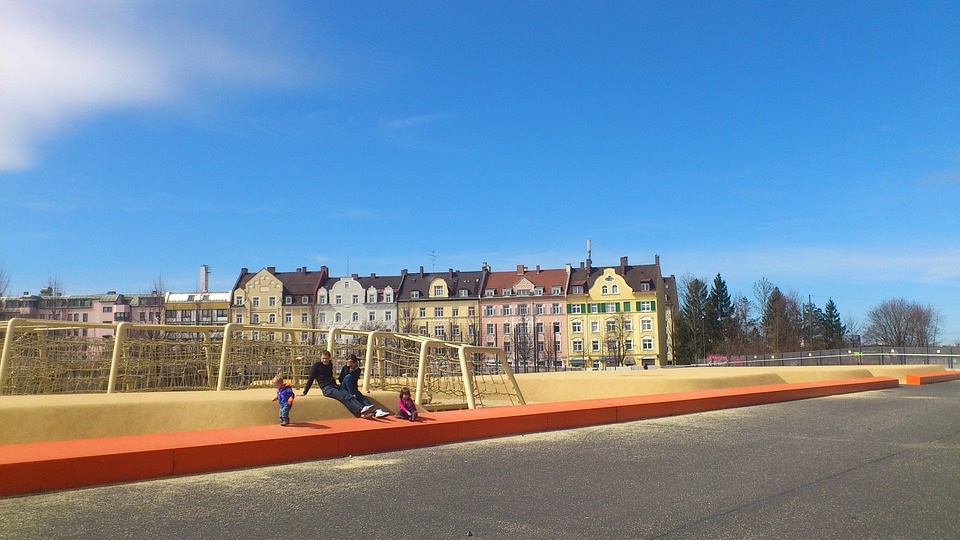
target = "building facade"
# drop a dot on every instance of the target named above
(442, 305)
(284, 300)
(523, 313)
(359, 303)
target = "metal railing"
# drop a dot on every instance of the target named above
(40, 357)
(949, 357)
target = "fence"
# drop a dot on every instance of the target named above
(949, 357)
(46, 357)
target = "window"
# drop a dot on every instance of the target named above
(506, 328)
(490, 329)
(423, 329)
(414, 294)
(303, 337)
(338, 299)
(523, 309)
(464, 293)
(578, 345)
(471, 311)
(646, 343)
(490, 292)
(338, 317)
(555, 309)
(489, 311)
(455, 331)
(372, 316)
(322, 318)
(540, 309)
(506, 292)
(538, 291)
(472, 330)
(604, 290)
(388, 315)
(256, 318)
(239, 319)
(505, 311)
(577, 289)
(171, 315)
(372, 298)
(521, 329)
(628, 344)
(523, 292)
(438, 312)
(615, 289)
(288, 317)
(389, 298)
(438, 330)
(438, 290)
(646, 306)
(556, 327)
(595, 345)
(107, 309)
(423, 312)
(628, 325)
(506, 346)
(355, 316)
(273, 318)
(646, 324)
(539, 328)
(221, 314)
(143, 317)
(238, 301)
(594, 308)
(355, 299)
(303, 318)
(611, 325)
(454, 312)
(594, 327)
(271, 301)
(645, 286)
(612, 307)
(576, 327)
(288, 300)
(576, 309)
(322, 299)
(304, 300)
(555, 290)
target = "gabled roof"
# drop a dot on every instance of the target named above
(635, 275)
(539, 278)
(297, 283)
(378, 282)
(456, 280)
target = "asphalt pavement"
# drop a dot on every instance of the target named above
(880, 464)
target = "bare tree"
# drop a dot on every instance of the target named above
(523, 342)
(4, 280)
(899, 323)
(53, 305)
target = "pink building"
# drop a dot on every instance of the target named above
(523, 314)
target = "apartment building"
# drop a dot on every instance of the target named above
(359, 303)
(615, 315)
(287, 300)
(523, 313)
(442, 305)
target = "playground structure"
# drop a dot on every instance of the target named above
(55, 357)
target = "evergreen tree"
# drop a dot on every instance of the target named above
(833, 329)
(694, 311)
(718, 313)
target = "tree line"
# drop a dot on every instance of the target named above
(712, 322)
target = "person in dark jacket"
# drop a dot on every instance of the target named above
(322, 373)
(349, 380)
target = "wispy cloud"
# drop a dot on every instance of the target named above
(62, 61)
(942, 178)
(414, 121)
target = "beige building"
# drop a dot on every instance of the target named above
(277, 299)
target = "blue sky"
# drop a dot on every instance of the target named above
(816, 144)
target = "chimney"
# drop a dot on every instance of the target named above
(520, 269)
(204, 278)
(355, 276)
(243, 271)
(451, 273)
(656, 260)
(581, 265)
(272, 269)
(569, 268)
(373, 275)
(421, 270)
(589, 266)
(485, 266)
(623, 265)
(403, 273)
(538, 268)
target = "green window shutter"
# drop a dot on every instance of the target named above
(626, 306)
(653, 305)
(638, 306)
(583, 308)
(568, 309)
(602, 308)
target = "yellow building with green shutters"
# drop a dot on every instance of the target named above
(615, 315)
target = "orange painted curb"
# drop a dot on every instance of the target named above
(932, 377)
(48, 466)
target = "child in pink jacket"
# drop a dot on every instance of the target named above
(408, 409)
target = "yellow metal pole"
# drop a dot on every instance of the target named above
(118, 339)
(225, 355)
(467, 377)
(5, 356)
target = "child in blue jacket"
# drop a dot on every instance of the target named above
(284, 397)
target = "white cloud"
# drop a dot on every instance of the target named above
(61, 62)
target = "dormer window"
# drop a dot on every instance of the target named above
(464, 293)
(506, 292)
(414, 294)
(490, 292)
